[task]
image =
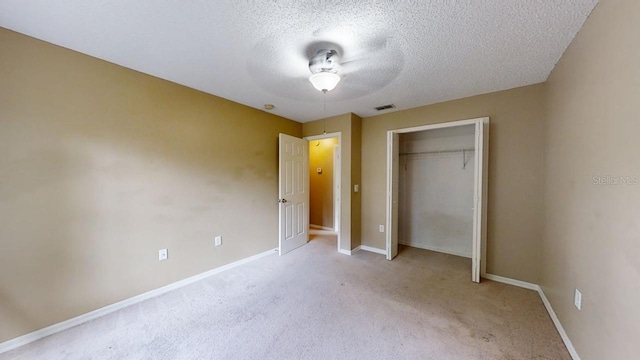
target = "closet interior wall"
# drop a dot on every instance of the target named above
(436, 190)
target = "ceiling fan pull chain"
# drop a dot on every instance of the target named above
(324, 109)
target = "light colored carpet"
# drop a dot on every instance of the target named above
(317, 304)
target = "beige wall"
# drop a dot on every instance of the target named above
(592, 232)
(515, 173)
(321, 184)
(102, 166)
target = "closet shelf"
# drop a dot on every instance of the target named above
(463, 151)
(436, 152)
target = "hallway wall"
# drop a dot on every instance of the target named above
(321, 212)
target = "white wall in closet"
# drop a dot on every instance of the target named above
(436, 190)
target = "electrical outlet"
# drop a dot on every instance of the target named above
(381, 228)
(218, 240)
(163, 254)
(577, 299)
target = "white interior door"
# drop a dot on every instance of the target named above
(393, 158)
(293, 193)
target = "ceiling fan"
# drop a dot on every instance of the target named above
(324, 68)
(335, 59)
(367, 66)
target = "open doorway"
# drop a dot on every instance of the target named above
(324, 186)
(322, 183)
(436, 189)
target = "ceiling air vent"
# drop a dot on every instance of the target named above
(384, 107)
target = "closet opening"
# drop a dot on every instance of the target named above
(435, 210)
(436, 187)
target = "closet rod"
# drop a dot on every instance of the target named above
(436, 152)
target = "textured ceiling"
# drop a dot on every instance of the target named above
(409, 53)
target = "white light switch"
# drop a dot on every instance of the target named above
(218, 240)
(356, 188)
(577, 299)
(163, 254)
(381, 228)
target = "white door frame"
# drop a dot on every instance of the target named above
(479, 252)
(337, 179)
(337, 176)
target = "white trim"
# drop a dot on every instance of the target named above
(485, 197)
(336, 186)
(319, 227)
(556, 322)
(373, 249)
(393, 152)
(514, 282)
(78, 320)
(441, 125)
(547, 305)
(324, 136)
(350, 252)
(436, 249)
(480, 185)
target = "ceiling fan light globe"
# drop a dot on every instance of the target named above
(324, 81)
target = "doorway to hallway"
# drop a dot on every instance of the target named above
(324, 184)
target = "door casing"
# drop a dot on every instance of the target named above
(479, 250)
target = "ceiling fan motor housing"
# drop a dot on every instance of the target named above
(324, 61)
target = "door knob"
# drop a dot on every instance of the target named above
(282, 200)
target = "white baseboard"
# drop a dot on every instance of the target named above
(434, 248)
(547, 305)
(556, 322)
(373, 249)
(78, 320)
(514, 282)
(319, 227)
(364, 248)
